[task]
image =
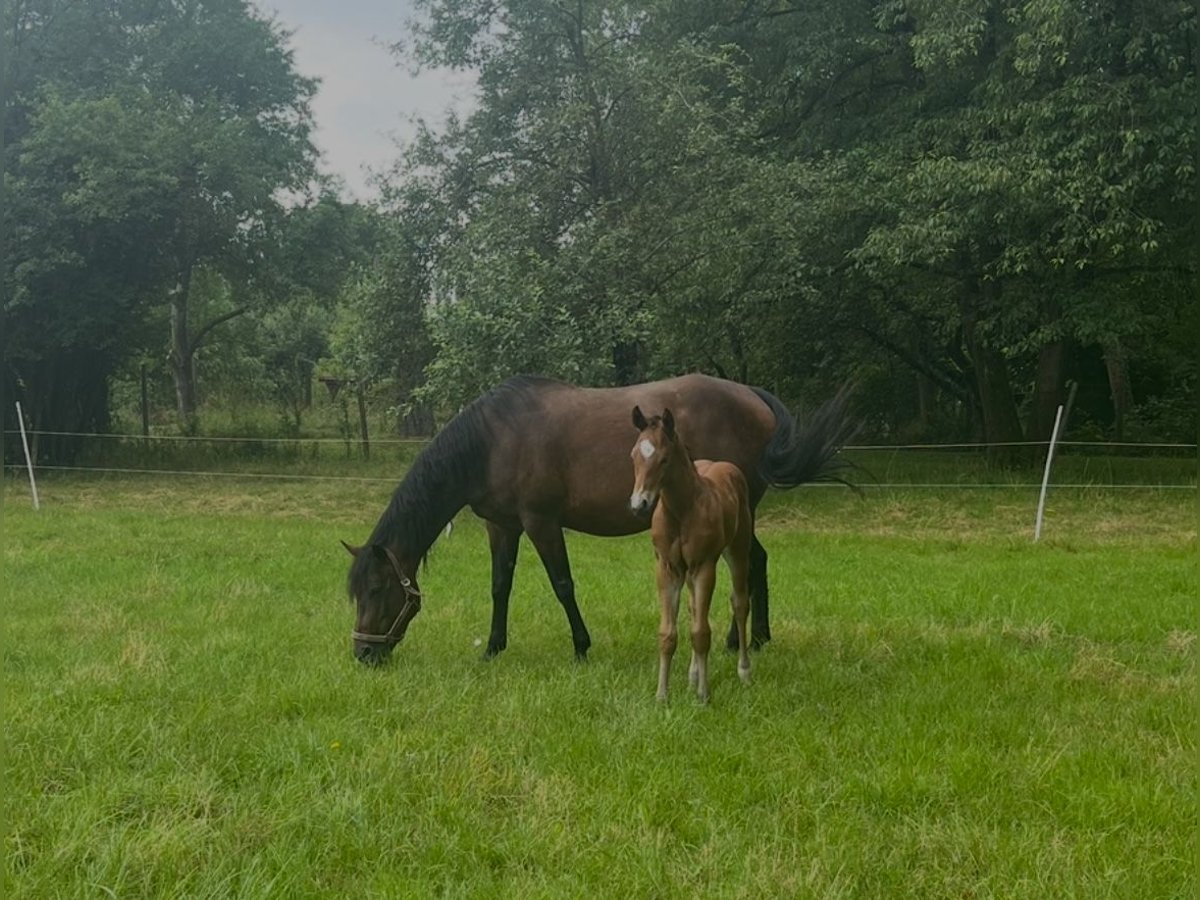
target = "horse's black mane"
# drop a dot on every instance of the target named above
(446, 474)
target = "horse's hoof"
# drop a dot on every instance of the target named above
(757, 641)
(581, 656)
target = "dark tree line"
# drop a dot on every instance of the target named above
(159, 199)
(964, 207)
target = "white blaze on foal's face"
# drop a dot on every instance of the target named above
(647, 462)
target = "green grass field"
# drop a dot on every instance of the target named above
(946, 710)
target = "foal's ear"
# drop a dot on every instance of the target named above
(353, 551)
(668, 421)
(639, 421)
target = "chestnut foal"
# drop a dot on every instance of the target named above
(702, 512)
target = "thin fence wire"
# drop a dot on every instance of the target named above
(114, 470)
(224, 440)
(185, 438)
(897, 485)
(974, 445)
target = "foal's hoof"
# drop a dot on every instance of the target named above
(758, 641)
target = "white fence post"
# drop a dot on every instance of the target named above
(28, 459)
(1037, 529)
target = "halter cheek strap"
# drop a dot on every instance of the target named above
(412, 597)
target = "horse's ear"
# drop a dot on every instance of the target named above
(639, 420)
(353, 551)
(668, 421)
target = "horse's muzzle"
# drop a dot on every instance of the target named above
(372, 654)
(641, 503)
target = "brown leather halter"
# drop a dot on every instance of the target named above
(412, 597)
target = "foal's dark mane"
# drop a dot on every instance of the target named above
(446, 474)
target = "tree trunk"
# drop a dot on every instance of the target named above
(1117, 366)
(359, 393)
(1048, 392)
(926, 399)
(184, 345)
(997, 406)
(182, 354)
(65, 393)
(145, 405)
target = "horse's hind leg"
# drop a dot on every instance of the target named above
(547, 538)
(504, 543)
(759, 596)
(739, 601)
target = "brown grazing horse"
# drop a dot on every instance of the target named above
(534, 456)
(701, 511)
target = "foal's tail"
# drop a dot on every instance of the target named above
(803, 452)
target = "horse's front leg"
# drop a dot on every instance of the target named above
(669, 587)
(702, 579)
(547, 537)
(504, 543)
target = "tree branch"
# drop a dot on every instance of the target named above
(207, 329)
(913, 361)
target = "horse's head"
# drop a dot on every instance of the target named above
(386, 597)
(651, 453)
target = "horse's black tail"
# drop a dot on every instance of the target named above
(804, 452)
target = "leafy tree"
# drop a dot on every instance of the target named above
(319, 249)
(778, 191)
(147, 141)
(380, 334)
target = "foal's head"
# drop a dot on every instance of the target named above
(656, 443)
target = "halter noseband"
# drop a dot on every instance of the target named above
(412, 597)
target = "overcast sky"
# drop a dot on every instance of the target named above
(366, 102)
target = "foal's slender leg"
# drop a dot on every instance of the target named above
(669, 587)
(702, 581)
(504, 543)
(547, 538)
(693, 665)
(739, 568)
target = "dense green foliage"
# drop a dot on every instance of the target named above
(146, 146)
(945, 711)
(963, 207)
